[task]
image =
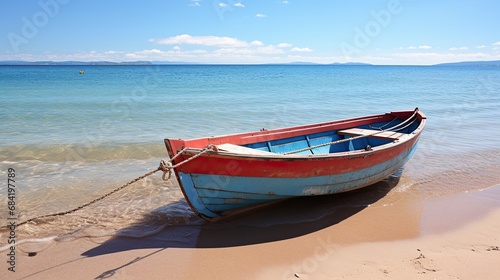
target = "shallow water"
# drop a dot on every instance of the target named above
(71, 138)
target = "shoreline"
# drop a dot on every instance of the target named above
(387, 235)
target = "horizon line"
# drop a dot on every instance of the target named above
(159, 62)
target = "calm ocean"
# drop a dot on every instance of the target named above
(72, 137)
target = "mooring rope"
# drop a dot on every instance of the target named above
(165, 166)
(93, 201)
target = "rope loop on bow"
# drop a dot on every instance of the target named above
(167, 166)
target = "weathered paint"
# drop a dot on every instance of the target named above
(220, 182)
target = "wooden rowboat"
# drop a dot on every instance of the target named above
(226, 175)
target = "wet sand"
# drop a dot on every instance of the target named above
(378, 233)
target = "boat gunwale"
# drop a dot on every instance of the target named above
(325, 126)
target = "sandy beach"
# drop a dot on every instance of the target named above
(126, 126)
(378, 233)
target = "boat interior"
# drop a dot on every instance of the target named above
(363, 137)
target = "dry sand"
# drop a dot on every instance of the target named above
(365, 235)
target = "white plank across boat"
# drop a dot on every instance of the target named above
(236, 149)
(389, 135)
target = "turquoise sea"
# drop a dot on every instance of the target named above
(73, 137)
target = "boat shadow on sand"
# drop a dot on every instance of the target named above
(288, 219)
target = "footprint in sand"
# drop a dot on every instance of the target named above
(423, 264)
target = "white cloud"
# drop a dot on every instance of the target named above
(222, 5)
(224, 49)
(301, 49)
(113, 52)
(261, 50)
(256, 43)
(285, 2)
(496, 44)
(260, 15)
(131, 55)
(152, 51)
(202, 40)
(459, 48)
(174, 54)
(239, 5)
(481, 47)
(428, 58)
(234, 51)
(195, 3)
(423, 47)
(198, 51)
(270, 50)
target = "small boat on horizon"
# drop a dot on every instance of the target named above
(226, 175)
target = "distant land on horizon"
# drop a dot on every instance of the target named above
(109, 63)
(471, 63)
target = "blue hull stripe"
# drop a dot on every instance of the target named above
(210, 194)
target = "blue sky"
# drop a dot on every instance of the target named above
(408, 32)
